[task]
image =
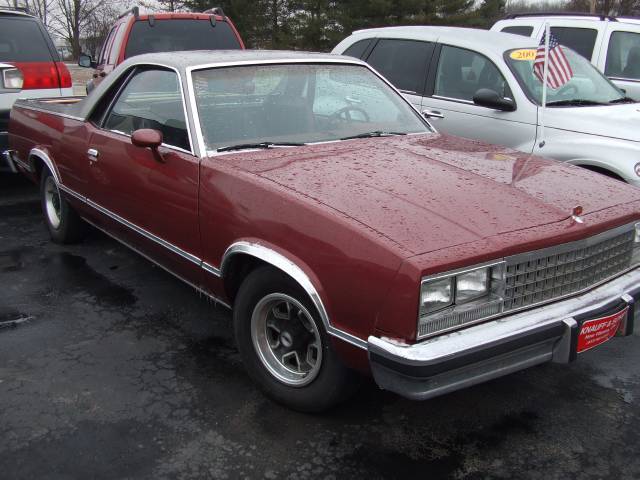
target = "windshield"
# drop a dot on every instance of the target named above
(587, 85)
(297, 103)
(179, 34)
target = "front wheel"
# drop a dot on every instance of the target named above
(63, 223)
(284, 346)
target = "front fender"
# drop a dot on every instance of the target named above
(615, 155)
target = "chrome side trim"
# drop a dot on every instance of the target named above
(36, 152)
(451, 99)
(200, 290)
(294, 271)
(145, 233)
(211, 269)
(72, 193)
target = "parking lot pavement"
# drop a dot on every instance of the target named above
(115, 369)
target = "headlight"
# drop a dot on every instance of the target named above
(438, 295)
(460, 297)
(12, 78)
(472, 285)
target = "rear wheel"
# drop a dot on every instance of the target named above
(63, 223)
(284, 346)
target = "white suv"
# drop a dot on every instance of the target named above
(29, 67)
(612, 44)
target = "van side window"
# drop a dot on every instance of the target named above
(523, 30)
(461, 73)
(357, 49)
(151, 99)
(623, 56)
(403, 63)
(581, 40)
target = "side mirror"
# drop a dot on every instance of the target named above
(86, 61)
(490, 99)
(147, 138)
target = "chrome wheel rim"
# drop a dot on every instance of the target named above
(52, 202)
(286, 339)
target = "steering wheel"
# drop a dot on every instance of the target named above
(344, 114)
(567, 90)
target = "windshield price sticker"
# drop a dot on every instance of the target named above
(595, 332)
(524, 54)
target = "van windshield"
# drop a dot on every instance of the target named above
(587, 86)
(174, 35)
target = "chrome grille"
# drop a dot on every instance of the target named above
(558, 271)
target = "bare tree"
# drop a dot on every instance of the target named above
(74, 16)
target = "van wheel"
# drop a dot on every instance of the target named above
(284, 346)
(63, 223)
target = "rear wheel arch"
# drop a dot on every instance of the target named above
(39, 159)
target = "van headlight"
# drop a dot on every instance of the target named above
(460, 297)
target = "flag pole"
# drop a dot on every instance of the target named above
(547, 31)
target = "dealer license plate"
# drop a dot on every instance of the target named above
(597, 331)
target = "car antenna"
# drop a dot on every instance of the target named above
(547, 33)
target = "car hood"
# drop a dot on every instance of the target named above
(614, 121)
(431, 191)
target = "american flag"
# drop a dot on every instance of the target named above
(559, 70)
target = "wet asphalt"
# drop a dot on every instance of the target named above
(110, 368)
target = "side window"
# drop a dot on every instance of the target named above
(151, 99)
(117, 38)
(461, 73)
(403, 63)
(104, 52)
(523, 30)
(582, 40)
(623, 56)
(357, 49)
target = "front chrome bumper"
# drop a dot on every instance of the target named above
(476, 354)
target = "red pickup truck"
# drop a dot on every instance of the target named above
(306, 193)
(135, 33)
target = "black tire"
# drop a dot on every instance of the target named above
(333, 382)
(70, 228)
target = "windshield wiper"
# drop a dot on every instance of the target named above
(623, 100)
(576, 102)
(376, 133)
(248, 146)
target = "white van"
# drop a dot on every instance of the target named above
(612, 44)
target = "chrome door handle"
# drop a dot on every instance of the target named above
(93, 154)
(432, 114)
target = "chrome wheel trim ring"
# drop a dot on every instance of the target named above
(52, 202)
(286, 339)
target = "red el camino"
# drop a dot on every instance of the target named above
(348, 236)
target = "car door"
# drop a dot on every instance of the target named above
(148, 197)
(404, 63)
(620, 60)
(455, 76)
